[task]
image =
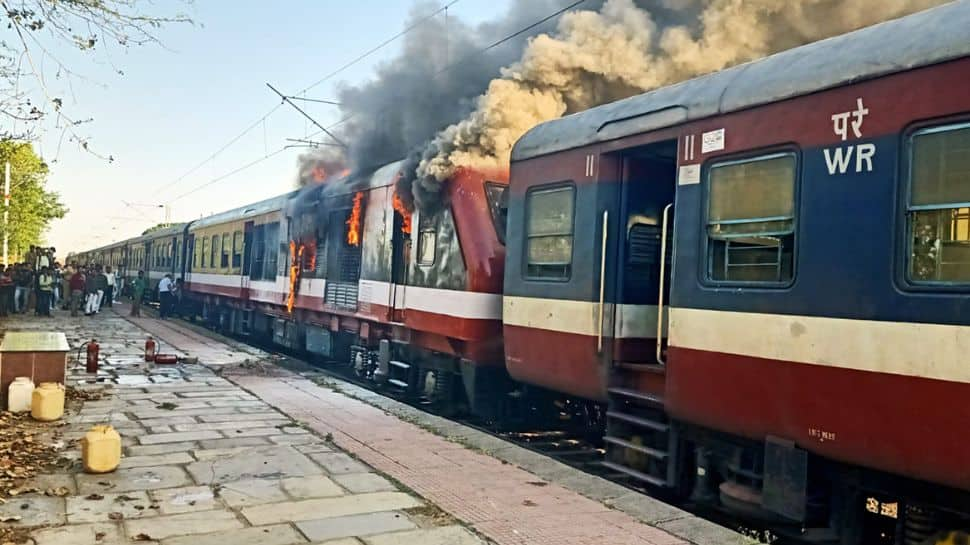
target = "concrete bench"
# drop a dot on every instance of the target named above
(40, 355)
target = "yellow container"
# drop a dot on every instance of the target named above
(47, 402)
(19, 394)
(101, 449)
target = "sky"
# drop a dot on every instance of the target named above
(178, 103)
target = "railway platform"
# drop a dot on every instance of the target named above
(237, 448)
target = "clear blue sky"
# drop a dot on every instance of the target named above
(176, 105)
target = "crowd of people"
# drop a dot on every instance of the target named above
(41, 284)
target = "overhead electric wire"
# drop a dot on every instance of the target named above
(330, 75)
(219, 151)
(345, 119)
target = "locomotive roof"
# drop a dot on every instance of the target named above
(255, 209)
(351, 183)
(929, 37)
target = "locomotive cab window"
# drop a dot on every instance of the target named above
(498, 205)
(427, 239)
(751, 220)
(939, 205)
(549, 233)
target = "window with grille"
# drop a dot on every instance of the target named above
(203, 263)
(214, 252)
(226, 250)
(751, 220)
(272, 245)
(549, 233)
(938, 211)
(237, 249)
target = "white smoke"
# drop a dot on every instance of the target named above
(596, 57)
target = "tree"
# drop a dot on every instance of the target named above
(158, 227)
(32, 208)
(27, 52)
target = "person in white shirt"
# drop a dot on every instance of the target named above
(165, 287)
(110, 292)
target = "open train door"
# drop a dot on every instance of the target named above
(247, 260)
(641, 442)
(400, 257)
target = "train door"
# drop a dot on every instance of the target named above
(247, 259)
(645, 248)
(640, 441)
(400, 257)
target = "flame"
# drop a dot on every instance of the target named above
(294, 278)
(319, 173)
(353, 222)
(296, 270)
(405, 214)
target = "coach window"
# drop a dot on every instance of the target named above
(939, 205)
(237, 249)
(202, 253)
(751, 220)
(214, 252)
(226, 250)
(272, 245)
(427, 239)
(549, 233)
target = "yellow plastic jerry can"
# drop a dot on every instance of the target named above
(47, 402)
(101, 449)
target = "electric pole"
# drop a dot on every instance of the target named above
(6, 214)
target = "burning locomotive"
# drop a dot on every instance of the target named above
(753, 283)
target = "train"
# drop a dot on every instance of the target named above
(754, 285)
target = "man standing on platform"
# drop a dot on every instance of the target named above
(91, 291)
(6, 292)
(24, 280)
(109, 292)
(45, 283)
(165, 287)
(76, 287)
(137, 293)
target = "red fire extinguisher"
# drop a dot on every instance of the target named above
(92, 363)
(150, 349)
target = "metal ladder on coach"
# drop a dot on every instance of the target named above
(641, 442)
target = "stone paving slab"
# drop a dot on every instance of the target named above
(201, 522)
(279, 534)
(263, 459)
(272, 462)
(334, 507)
(355, 525)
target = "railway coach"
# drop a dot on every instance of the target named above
(342, 270)
(765, 275)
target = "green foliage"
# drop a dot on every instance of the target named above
(32, 207)
(34, 28)
(156, 228)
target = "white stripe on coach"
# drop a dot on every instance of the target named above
(933, 351)
(580, 317)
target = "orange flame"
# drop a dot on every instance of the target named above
(319, 173)
(294, 277)
(405, 214)
(353, 222)
(296, 263)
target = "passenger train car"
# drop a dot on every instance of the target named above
(755, 284)
(765, 274)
